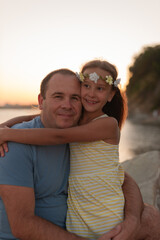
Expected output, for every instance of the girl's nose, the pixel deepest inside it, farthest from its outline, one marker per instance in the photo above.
(91, 92)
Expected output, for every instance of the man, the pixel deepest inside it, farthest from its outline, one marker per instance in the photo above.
(33, 179)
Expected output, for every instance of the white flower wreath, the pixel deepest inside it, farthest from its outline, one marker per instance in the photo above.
(94, 77)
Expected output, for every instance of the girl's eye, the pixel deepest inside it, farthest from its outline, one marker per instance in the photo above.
(100, 88)
(86, 85)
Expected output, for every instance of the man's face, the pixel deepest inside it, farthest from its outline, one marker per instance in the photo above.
(61, 107)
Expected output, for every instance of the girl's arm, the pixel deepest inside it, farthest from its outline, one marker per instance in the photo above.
(10, 123)
(15, 120)
(100, 129)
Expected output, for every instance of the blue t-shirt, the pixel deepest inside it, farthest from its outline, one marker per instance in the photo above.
(44, 168)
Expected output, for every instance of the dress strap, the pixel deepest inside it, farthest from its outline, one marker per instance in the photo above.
(102, 116)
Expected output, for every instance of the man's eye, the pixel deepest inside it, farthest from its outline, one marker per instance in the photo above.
(75, 98)
(57, 96)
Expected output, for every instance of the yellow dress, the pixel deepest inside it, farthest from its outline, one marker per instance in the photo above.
(95, 200)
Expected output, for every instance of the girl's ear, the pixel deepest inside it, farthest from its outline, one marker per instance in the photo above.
(111, 95)
(40, 101)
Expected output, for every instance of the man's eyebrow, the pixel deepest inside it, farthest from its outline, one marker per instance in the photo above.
(59, 93)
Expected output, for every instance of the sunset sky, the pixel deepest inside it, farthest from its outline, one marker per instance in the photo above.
(39, 36)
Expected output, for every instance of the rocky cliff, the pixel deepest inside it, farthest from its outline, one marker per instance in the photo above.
(145, 170)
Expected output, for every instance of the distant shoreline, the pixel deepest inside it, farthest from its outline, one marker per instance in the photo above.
(17, 106)
(145, 120)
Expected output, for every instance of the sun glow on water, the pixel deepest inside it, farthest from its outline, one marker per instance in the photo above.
(38, 37)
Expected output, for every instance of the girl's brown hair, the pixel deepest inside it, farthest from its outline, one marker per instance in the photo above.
(117, 108)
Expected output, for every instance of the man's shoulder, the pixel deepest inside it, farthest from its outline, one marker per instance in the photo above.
(34, 123)
(18, 149)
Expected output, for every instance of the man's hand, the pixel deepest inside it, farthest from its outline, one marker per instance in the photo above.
(126, 230)
(3, 145)
(150, 222)
(129, 229)
(111, 234)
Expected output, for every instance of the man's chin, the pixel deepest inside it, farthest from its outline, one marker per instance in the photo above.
(65, 125)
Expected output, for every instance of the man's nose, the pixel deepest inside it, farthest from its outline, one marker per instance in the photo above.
(67, 104)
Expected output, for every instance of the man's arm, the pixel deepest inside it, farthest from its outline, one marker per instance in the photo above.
(20, 204)
(148, 227)
(150, 222)
(133, 199)
(134, 206)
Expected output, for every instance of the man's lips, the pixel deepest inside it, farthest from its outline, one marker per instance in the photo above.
(65, 115)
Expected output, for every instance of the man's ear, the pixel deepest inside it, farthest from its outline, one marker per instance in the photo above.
(40, 101)
(111, 95)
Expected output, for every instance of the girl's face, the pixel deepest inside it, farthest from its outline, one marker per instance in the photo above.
(95, 95)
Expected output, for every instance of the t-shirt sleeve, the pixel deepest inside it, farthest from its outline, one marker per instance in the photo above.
(16, 168)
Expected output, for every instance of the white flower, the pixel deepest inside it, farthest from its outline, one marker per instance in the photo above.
(117, 82)
(109, 80)
(93, 77)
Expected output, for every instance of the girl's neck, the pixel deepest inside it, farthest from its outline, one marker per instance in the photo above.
(88, 117)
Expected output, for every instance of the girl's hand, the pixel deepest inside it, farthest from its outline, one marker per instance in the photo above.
(2, 125)
(3, 149)
(3, 145)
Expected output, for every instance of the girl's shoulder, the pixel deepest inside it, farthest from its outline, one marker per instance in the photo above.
(102, 116)
(106, 119)
(110, 128)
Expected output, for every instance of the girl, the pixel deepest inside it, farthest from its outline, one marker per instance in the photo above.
(95, 200)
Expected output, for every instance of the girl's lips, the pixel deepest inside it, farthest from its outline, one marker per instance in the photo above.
(90, 101)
